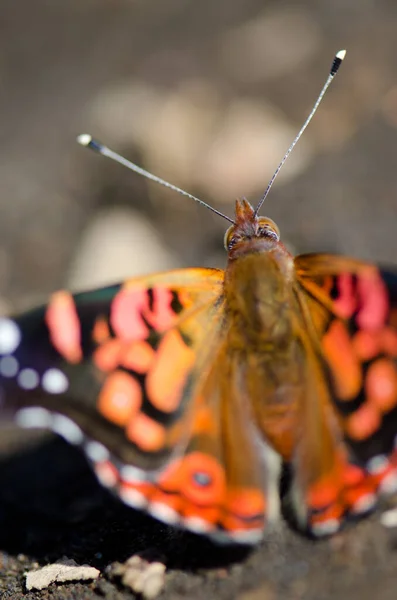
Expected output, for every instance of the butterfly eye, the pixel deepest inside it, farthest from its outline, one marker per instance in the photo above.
(227, 240)
(268, 228)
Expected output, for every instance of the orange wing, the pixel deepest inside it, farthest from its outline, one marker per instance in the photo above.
(138, 375)
(346, 454)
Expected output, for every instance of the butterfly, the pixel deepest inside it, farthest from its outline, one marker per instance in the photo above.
(179, 386)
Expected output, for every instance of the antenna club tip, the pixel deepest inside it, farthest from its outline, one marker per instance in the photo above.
(84, 139)
(336, 63)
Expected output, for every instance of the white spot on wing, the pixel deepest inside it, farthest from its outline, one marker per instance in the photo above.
(364, 504)
(252, 536)
(28, 379)
(131, 474)
(377, 464)
(388, 485)
(163, 513)
(326, 528)
(34, 416)
(54, 381)
(197, 524)
(10, 336)
(67, 429)
(106, 474)
(96, 451)
(8, 366)
(132, 497)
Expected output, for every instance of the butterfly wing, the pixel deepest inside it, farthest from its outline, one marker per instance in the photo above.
(349, 320)
(137, 374)
(217, 486)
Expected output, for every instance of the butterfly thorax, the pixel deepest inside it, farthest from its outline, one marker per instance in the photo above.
(258, 283)
(258, 299)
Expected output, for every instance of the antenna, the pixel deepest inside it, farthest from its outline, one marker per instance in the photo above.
(86, 140)
(336, 63)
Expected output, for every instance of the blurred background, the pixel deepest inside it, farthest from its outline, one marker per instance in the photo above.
(208, 95)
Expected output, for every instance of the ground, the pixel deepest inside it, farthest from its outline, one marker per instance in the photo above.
(208, 94)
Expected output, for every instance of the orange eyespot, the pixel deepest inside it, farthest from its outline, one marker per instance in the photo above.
(267, 225)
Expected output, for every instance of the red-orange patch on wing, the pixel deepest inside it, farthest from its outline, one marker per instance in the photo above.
(324, 491)
(210, 514)
(373, 294)
(357, 484)
(162, 316)
(138, 356)
(344, 364)
(120, 398)
(205, 421)
(245, 501)
(352, 496)
(146, 433)
(107, 356)
(173, 477)
(174, 501)
(198, 477)
(64, 326)
(381, 384)
(352, 475)
(366, 344)
(364, 422)
(146, 488)
(100, 332)
(201, 466)
(245, 508)
(346, 302)
(167, 378)
(126, 313)
(107, 473)
(389, 341)
(131, 307)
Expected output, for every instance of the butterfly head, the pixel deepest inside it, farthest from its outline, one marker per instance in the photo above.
(250, 232)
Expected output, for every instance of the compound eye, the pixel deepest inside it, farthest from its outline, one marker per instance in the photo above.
(228, 237)
(267, 227)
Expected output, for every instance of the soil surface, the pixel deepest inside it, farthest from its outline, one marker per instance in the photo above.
(169, 84)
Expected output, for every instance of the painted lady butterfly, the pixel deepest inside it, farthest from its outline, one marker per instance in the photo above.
(175, 385)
